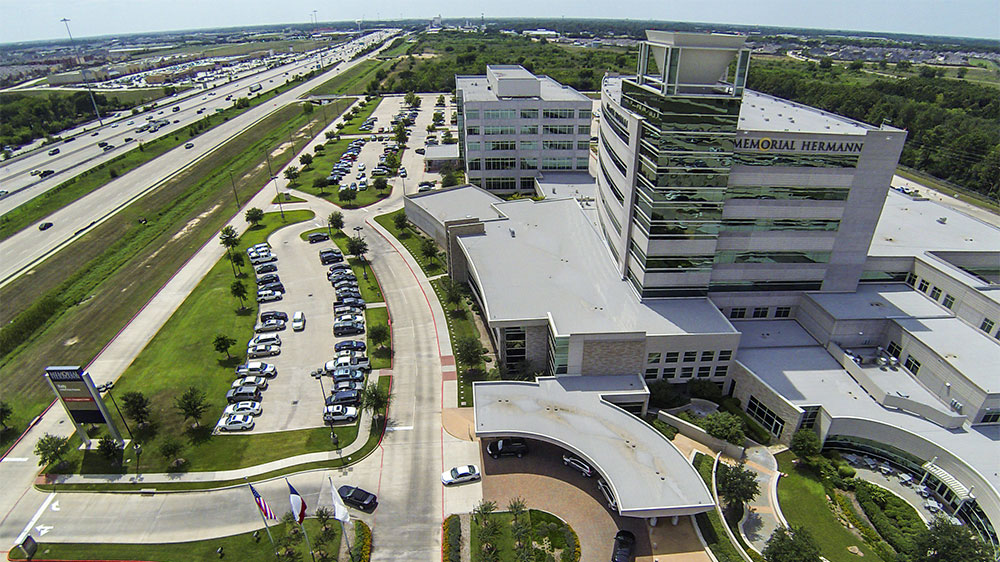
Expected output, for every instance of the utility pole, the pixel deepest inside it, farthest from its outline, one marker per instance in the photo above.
(83, 72)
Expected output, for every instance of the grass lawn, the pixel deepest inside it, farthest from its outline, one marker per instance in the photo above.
(320, 168)
(412, 239)
(243, 547)
(288, 198)
(380, 357)
(101, 280)
(460, 325)
(351, 82)
(365, 111)
(180, 356)
(804, 503)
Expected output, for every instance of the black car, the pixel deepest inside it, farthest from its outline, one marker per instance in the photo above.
(318, 237)
(45, 226)
(513, 447)
(277, 287)
(345, 397)
(345, 283)
(347, 329)
(340, 267)
(266, 268)
(273, 315)
(46, 173)
(624, 550)
(358, 498)
(347, 293)
(349, 301)
(328, 258)
(268, 278)
(351, 345)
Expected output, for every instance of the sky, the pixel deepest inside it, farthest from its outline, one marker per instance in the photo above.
(27, 20)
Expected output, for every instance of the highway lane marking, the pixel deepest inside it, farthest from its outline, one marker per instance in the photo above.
(401, 428)
(38, 514)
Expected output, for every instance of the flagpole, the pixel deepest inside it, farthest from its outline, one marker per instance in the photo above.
(266, 528)
(306, 535)
(343, 530)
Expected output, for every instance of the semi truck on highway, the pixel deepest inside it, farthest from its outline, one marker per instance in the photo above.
(255, 88)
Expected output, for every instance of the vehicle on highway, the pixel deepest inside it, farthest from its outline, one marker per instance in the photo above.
(264, 339)
(263, 351)
(53, 152)
(298, 321)
(609, 496)
(265, 268)
(45, 226)
(358, 498)
(273, 315)
(253, 380)
(189, 145)
(460, 474)
(346, 397)
(46, 173)
(36, 172)
(256, 368)
(273, 325)
(242, 394)
(577, 463)
(237, 422)
(71, 139)
(509, 447)
(350, 345)
(128, 139)
(624, 549)
(247, 407)
(108, 147)
(339, 413)
(317, 237)
(4, 193)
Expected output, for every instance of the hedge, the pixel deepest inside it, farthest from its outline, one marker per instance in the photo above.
(894, 519)
(881, 548)
(362, 541)
(27, 322)
(452, 550)
(754, 430)
(710, 523)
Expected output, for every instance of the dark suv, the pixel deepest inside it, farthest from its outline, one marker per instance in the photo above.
(624, 550)
(515, 447)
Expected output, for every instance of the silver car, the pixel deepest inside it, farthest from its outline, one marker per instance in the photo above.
(237, 422)
(259, 382)
(263, 351)
(247, 408)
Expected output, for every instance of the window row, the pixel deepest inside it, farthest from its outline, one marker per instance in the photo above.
(529, 113)
(738, 312)
(703, 372)
(687, 356)
(924, 286)
(765, 417)
(477, 146)
(492, 130)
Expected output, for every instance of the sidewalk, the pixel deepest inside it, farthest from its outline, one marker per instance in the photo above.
(763, 515)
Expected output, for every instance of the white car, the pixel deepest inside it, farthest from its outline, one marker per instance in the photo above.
(299, 321)
(359, 318)
(263, 351)
(268, 296)
(361, 165)
(247, 408)
(577, 464)
(237, 422)
(339, 413)
(460, 474)
(256, 368)
(265, 339)
(259, 382)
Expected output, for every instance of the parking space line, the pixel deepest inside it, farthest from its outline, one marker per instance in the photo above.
(35, 518)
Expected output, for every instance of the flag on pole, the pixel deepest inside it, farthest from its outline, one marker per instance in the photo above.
(298, 504)
(261, 504)
(340, 512)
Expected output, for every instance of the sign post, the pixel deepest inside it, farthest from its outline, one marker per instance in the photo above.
(82, 401)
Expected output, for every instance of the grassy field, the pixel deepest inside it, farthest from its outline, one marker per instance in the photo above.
(130, 97)
(380, 357)
(104, 278)
(283, 46)
(353, 82)
(804, 503)
(461, 325)
(243, 547)
(181, 356)
(366, 109)
(412, 240)
(320, 168)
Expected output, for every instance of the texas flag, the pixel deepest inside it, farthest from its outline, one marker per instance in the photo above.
(298, 504)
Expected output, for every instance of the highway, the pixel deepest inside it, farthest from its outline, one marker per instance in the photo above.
(31, 245)
(83, 151)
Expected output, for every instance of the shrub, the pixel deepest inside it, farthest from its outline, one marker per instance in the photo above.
(452, 549)
(894, 519)
(846, 471)
(881, 548)
(724, 425)
(662, 394)
(707, 390)
(362, 542)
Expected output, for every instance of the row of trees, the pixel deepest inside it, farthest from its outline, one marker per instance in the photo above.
(24, 118)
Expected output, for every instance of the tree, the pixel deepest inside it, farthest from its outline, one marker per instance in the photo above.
(170, 449)
(791, 545)
(5, 413)
(136, 406)
(927, 72)
(826, 62)
(306, 159)
(903, 65)
(320, 148)
(428, 249)
(411, 99)
(805, 443)
(239, 290)
(400, 133)
(944, 541)
(375, 399)
(736, 483)
(230, 240)
(379, 334)
(51, 449)
(347, 195)
(483, 510)
(440, 100)
(108, 447)
(192, 404)
(254, 216)
(222, 344)
(380, 184)
(452, 291)
(723, 425)
(335, 222)
(516, 507)
(449, 179)
(236, 258)
(468, 350)
(291, 173)
(356, 246)
(399, 221)
(962, 72)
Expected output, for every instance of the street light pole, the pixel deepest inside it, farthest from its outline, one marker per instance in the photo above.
(83, 72)
(236, 195)
(115, 402)
(275, 179)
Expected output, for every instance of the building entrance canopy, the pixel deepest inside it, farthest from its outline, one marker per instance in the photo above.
(648, 475)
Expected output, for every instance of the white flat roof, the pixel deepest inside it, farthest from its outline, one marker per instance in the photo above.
(871, 301)
(441, 152)
(908, 227)
(761, 112)
(547, 258)
(648, 475)
(477, 89)
(460, 202)
(969, 350)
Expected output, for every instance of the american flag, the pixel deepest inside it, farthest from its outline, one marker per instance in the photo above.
(261, 504)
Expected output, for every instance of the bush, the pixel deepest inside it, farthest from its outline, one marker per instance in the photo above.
(452, 549)
(754, 429)
(895, 520)
(362, 542)
(707, 390)
(846, 471)
(27, 322)
(805, 443)
(881, 548)
(724, 425)
(662, 394)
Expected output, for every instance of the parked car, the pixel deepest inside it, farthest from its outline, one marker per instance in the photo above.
(268, 278)
(345, 373)
(351, 301)
(270, 326)
(578, 464)
(268, 296)
(243, 394)
(317, 237)
(273, 315)
(237, 422)
(624, 549)
(609, 496)
(340, 310)
(299, 321)
(347, 329)
(345, 282)
(354, 361)
(358, 498)
(276, 287)
(263, 259)
(348, 385)
(339, 413)
(460, 474)
(259, 382)
(514, 446)
(346, 397)
(350, 345)
(266, 268)
(256, 368)
(247, 407)
(263, 351)
(264, 339)
(348, 292)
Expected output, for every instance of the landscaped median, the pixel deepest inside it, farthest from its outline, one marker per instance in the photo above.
(360, 113)
(415, 242)
(312, 178)
(520, 534)
(370, 290)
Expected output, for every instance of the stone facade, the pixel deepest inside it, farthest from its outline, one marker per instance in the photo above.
(746, 384)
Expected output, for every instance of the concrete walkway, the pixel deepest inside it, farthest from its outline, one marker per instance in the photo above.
(764, 513)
